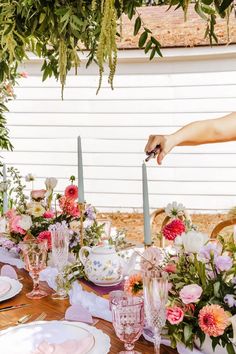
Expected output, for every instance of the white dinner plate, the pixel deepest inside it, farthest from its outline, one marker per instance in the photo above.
(5, 286)
(15, 288)
(23, 339)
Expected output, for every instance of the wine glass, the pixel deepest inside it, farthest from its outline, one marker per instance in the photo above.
(155, 291)
(60, 251)
(35, 256)
(128, 320)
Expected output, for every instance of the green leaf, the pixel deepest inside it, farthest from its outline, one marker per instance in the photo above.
(42, 17)
(188, 331)
(137, 25)
(148, 46)
(147, 30)
(216, 289)
(142, 39)
(225, 5)
(153, 52)
(230, 348)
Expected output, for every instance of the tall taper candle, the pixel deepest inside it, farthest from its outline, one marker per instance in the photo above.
(80, 172)
(5, 202)
(146, 215)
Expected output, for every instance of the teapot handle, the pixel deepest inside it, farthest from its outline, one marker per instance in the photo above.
(82, 256)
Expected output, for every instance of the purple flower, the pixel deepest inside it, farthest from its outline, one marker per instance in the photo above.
(223, 263)
(230, 300)
(90, 212)
(211, 249)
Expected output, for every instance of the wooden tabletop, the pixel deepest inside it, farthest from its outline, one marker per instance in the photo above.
(55, 310)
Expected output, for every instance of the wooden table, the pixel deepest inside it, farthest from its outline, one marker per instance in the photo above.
(55, 310)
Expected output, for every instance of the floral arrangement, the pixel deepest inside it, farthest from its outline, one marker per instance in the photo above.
(202, 282)
(32, 216)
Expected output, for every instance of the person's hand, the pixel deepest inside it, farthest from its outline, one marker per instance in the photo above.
(166, 143)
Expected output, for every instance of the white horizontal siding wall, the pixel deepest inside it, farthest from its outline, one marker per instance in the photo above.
(149, 97)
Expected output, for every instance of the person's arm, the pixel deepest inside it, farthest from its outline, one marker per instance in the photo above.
(196, 133)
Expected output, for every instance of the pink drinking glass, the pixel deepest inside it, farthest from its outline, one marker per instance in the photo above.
(128, 320)
(35, 256)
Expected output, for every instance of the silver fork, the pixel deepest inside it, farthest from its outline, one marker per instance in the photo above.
(41, 317)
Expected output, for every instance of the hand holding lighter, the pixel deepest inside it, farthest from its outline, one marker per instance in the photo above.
(152, 154)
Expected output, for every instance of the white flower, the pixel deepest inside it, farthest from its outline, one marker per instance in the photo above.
(174, 209)
(35, 209)
(233, 321)
(3, 225)
(50, 183)
(88, 223)
(25, 222)
(29, 177)
(193, 241)
(75, 226)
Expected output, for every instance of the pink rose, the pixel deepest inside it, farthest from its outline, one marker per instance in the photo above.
(174, 315)
(14, 225)
(190, 293)
(170, 268)
(48, 214)
(38, 194)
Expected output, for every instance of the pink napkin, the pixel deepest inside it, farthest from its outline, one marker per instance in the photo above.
(68, 347)
(8, 271)
(4, 287)
(78, 313)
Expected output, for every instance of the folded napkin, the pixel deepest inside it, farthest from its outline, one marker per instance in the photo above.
(10, 258)
(8, 271)
(68, 347)
(78, 313)
(4, 287)
(96, 305)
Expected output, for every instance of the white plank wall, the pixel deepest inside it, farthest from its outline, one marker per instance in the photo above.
(149, 98)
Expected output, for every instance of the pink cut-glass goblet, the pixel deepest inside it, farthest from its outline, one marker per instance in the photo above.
(35, 256)
(128, 320)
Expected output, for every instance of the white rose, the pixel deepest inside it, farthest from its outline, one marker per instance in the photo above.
(25, 222)
(75, 226)
(50, 183)
(35, 209)
(233, 321)
(193, 241)
(3, 224)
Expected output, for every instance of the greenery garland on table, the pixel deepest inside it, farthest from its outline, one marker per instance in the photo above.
(58, 30)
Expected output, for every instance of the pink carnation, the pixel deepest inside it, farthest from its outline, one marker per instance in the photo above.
(46, 235)
(174, 315)
(190, 293)
(48, 214)
(173, 229)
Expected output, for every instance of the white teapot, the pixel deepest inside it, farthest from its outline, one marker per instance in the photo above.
(102, 265)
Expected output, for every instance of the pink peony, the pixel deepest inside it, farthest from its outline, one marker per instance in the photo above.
(71, 192)
(14, 225)
(48, 214)
(173, 229)
(174, 315)
(190, 293)
(46, 235)
(38, 194)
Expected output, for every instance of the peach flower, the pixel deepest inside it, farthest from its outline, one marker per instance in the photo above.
(134, 285)
(213, 320)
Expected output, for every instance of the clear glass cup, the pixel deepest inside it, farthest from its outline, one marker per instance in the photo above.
(60, 252)
(128, 320)
(35, 257)
(155, 292)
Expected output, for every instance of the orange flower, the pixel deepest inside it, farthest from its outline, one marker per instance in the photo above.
(134, 285)
(213, 320)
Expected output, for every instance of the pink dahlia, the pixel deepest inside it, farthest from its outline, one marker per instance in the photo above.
(213, 320)
(46, 235)
(71, 192)
(173, 229)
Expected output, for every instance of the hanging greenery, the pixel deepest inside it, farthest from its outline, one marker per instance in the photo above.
(58, 30)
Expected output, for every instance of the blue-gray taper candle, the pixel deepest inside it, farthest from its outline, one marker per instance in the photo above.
(146, 215)
(80, 172)
(5, 201)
